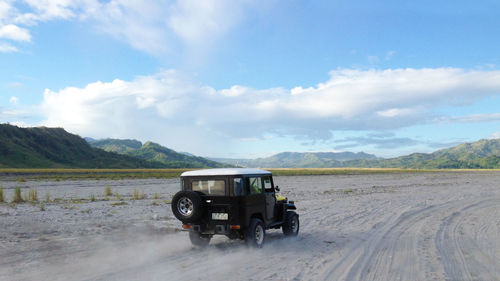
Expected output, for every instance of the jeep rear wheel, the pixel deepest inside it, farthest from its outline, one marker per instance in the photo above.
(255, 234)
(198, 239)
(187, 206)
(291, 224)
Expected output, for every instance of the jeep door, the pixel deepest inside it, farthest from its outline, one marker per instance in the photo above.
(255, 199)
(270, 197)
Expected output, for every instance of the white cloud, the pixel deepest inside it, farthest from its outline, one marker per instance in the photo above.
(472, 118)
(140, 24)
(395, 112)
(20, 124)
(15, 85)
(14, 100)
(7, 48)
(494, 136)
(389, 55)
(202, 21)
(5, 9)
(151, 26)
(51, 9)
(156, 26)
(170, 108)
(17, 16)
(14, 33)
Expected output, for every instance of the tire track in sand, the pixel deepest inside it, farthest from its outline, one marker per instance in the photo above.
(458, 242)
(401, 248)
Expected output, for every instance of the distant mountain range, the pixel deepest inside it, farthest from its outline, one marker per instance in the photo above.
(299, 160)
(155, 153)
(43, 147)
(482, 154)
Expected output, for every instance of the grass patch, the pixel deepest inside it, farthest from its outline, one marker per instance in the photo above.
(342, 171)
(94, 174)
(119, 174)
(155, 203)
(156, 196)
(42, 207)
(32, 195)
(92, 198)
(138, 195)
(77, 200)
(347, 191)
(67, 207)
(2, 199)
(119, 203)
(107, 191)
(17, 196)
(118, 197)
(47, 197)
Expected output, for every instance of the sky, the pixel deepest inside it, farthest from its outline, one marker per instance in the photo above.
(251, 78)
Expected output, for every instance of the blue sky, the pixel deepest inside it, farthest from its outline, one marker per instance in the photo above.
(251, 78)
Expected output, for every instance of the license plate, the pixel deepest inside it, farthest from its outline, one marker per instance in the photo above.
(219, 216)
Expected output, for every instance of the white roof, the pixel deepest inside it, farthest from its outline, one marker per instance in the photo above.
(225, 172)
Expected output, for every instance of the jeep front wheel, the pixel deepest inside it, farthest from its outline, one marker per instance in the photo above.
(291, 224)
(198, 239)
(256, 233)
(187, 206)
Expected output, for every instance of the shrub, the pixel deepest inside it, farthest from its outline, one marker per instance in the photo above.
(138, 195)
(47, 197)
(119, 203)
(2, 199)
(107, 191)
(17, 196)
(32, 195)
(42, 207)
(92, 197)
(156, 196)
(118, 197)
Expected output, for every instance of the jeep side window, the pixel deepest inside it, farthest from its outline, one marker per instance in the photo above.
(238, 187)
(255, 185)
(267, 184)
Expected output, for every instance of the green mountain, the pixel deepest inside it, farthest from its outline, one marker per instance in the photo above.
(482, 154)
(153, 152)
(299, 159)
(115, 145)
(43, 147)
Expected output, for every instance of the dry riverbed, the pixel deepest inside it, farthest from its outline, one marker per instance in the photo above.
(397, 226)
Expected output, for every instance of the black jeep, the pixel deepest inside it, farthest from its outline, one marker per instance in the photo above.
(238, 203)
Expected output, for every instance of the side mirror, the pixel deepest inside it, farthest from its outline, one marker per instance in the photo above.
(277, 188)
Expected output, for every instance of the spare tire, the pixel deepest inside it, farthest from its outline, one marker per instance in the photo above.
(187, 206)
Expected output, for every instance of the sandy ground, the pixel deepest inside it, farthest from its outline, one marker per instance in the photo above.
(429, 226)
